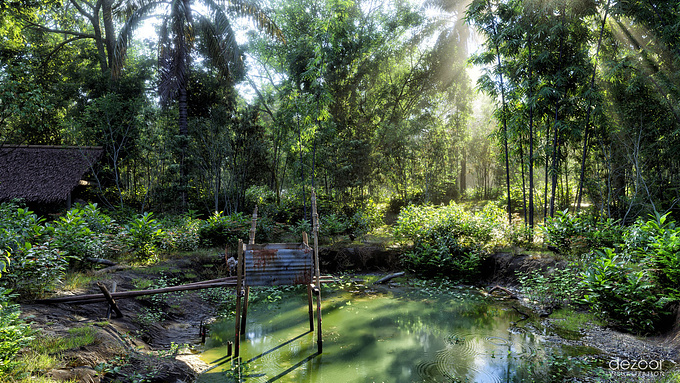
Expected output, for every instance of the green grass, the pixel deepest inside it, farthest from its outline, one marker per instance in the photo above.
(143, 284)
(76, 338)
(44, 353)
(75, 280)
(574, 321)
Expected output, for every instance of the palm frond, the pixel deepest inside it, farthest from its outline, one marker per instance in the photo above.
(251, 10)
(220, 43)
(134, 17)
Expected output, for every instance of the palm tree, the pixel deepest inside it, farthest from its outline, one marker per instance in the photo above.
(179, 29)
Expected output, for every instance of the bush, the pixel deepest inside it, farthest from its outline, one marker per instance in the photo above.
(182, 235)
(221, 230)
(332, 225)
(15, 334)
(448, 240)
(553, 288)
(18, 226)
(578, 234)
(34, 269)
(624, 294)
(72, 235)
(143, 236)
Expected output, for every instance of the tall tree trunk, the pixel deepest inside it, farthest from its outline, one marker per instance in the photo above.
(184, 133)
(524, 188)
(587, 127)
(109, 30)
(531, 139)
(463, 174)
(555, 169)
(504, 118)
(102, 54)
(547, 164)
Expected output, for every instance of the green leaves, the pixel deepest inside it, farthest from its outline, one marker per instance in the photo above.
(144, 234)
(623, 293)
(448, 240)
(4, 261)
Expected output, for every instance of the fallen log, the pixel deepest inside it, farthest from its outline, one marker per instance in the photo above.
(389, 277)
(510, 293)
(93, 298)
(101, 261)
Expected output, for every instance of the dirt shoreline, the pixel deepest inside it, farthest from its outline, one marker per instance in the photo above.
(147, 349)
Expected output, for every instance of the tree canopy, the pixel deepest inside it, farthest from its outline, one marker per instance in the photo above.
(230, 103)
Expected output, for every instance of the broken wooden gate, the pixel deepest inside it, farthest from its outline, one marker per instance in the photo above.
(278, 264)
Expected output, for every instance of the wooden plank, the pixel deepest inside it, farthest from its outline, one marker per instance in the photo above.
(245, 310)
(389, 277)
(311, 307)
(253, 226)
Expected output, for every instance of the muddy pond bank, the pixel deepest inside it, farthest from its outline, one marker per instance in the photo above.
(143, 343)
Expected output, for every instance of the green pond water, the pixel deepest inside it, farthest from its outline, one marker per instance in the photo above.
(381, 335)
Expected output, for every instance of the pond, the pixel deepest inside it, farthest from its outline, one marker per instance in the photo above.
(416, 333)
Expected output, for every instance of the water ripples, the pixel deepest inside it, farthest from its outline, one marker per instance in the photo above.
(460, 359)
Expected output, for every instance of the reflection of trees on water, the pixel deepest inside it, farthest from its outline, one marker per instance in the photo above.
(405, 337)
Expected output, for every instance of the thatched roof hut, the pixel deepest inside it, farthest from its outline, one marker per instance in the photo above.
(44, 174)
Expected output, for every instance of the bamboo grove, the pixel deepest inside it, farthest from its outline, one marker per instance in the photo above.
(587, 101)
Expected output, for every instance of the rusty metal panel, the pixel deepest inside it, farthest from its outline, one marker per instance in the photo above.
(277, 264)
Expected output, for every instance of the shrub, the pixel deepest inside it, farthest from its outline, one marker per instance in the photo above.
(332, 225)
(302, 226)
(143, 236)
(360, 224)
(18, 226)
(623, 294)
(15, 334)
(34, 269)
(220, 230)
(182, 235)
(553, 288)
(448, 240)
(578, 234)
(72, 235)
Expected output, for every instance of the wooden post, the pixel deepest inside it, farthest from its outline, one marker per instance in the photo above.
(110, 299)
(245, 310)
(239, 280)
(315, 225)
(253, 225)
(311, 307)
(114, 285)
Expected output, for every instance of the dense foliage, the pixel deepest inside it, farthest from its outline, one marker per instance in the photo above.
(449, 240)
(627, 275)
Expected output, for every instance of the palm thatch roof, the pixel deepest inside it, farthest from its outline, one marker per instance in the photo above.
(41, 173)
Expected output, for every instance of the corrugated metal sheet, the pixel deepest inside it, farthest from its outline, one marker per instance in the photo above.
(276, 264)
